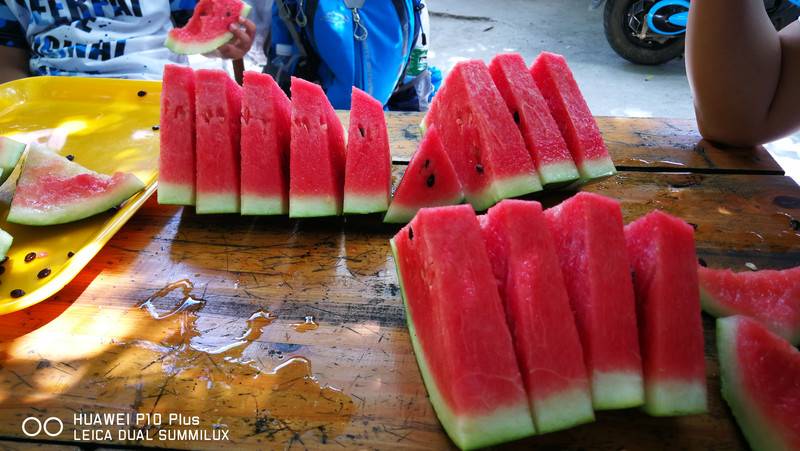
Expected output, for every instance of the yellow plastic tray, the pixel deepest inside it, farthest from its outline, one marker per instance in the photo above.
(108, 126)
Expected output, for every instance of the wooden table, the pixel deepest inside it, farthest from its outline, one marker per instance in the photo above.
(91, 349)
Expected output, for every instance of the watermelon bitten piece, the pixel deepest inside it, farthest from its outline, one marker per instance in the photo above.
(219, 111)
(532, 115)
(54, 190)
(429, 181)
(176, 164)
(760, 375)
(480, 137)
(208, 28)
(590, 242)
(769, 296)
(663, 259)
(266, 128)
(368, 168)
(538, 313)
(567, 105)
(10, 153)
(455, 324)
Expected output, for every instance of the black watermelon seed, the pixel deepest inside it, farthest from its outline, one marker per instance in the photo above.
(156, 128)
(43, 273)
(362, 131)
(479, 168)
(702, 262)
(410, 233)
(17, 293)
(431, 180)
(694, 226)
(141, 93)
(70, 157)
(31, 256)
(427, 163)
(795, 224)
(2, 269)
(516, 117)
(70, 254)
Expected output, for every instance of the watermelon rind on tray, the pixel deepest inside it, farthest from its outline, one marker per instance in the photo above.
(10, 153)
(5, 243)
(208, 28)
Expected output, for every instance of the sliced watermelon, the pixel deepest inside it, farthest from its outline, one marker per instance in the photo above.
(209, 27)
(761, 382)
(590, 243)
(316, 175)
(429, 181)
(481, 138)
(176, 165)
(10, 153)
(54, 190)
(537, 308)
(219, 106)
(663, 259)
(532, 115)
(771, 297)
(368, 171)
(569, 108)
(5, 243)
(266, 128)
(458, 328)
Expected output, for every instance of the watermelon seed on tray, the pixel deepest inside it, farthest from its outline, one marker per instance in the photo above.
(30, 256)
(141, 93)
(43, 273)
(70, 157)
(17, 293)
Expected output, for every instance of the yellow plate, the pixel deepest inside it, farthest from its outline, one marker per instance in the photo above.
(108, 126)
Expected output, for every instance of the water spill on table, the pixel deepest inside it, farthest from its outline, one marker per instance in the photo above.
(307, 325)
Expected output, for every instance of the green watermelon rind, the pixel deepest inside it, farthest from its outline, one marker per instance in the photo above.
(208, 203)
(401, 214)
(313, 206)
(466, 432)
(261, 205)
(667, 398)
(10, 153)
(505, 188)
(757, 429)
(200, 47)
(5, 243)
(560, 173)
(617, 390)
(362, 204)
(597, 168)
(563, 410)
(175, 194)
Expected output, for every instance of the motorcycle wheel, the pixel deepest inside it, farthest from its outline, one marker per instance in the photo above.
(627, 44)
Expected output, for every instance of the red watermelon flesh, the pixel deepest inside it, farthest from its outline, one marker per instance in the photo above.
(769, 296)
(209, 27)
(458, 328)
(176, 168)
(480, 136)
(590, 242)
(266, 127)
(760, 375)
(219, 110)
(569, 108)
(663, 259)
(429, 181)
(316, 175)
(368, 168)
(542, 325)
(532, 115)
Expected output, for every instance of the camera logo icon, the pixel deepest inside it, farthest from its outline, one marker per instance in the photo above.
(52, 426)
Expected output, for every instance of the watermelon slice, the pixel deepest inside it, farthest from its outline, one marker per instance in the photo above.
(532, 115)
(771, 297)
(761, 382)
(429, 181)
(10, 153)
(5, 243)
(663, 259)
(569, 108)
(458, 328)
(266, 126)
(368, 171)
(218, 101)
(590, 243)
(481, 138)
(176, 166)
(316, 181)
(538, 312)
(54, 190)
(209, 27)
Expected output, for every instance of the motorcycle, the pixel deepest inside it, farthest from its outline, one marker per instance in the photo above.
(652, 31)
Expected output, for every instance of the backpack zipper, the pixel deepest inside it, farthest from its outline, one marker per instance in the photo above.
(362, 69)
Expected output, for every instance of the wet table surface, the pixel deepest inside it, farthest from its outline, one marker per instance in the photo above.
(229, 332)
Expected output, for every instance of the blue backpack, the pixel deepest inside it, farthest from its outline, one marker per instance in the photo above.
(379, 46)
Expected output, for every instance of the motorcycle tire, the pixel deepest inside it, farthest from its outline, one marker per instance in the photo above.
(627, 45)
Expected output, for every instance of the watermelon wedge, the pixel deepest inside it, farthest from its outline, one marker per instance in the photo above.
(368, 170)
(761, 382)
(10, 153)
(480, 137)
(663, 259)
(5, 243)
(590, 242)
(176, 165)
(479, 402)
(429, 181)
(532, 115)
(538, 313)
(218, 101)
(769, 296)
(209, 27)
(316, 175)
(569, 108)
(266, 128)
(54, 190)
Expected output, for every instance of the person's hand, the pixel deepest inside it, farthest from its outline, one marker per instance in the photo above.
(243, 34)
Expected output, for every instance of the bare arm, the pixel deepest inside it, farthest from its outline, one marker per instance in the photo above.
(745, 76)
(13, 64)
